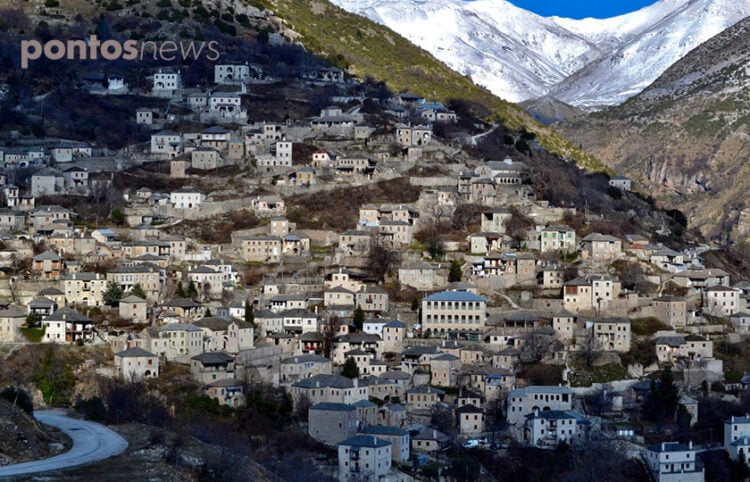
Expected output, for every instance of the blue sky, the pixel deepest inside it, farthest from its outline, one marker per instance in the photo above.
(582, 8)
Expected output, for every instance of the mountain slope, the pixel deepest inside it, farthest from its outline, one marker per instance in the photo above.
(519, 55)
(686, 138)
(368, 49)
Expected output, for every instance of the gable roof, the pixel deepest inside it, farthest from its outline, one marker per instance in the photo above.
(135, 352)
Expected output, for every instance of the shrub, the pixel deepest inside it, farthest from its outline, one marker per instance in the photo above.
(19, 398)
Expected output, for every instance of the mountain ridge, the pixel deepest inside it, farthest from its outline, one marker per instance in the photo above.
(519, 55)
(685, 137)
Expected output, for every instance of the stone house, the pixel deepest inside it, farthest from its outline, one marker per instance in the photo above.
(423, 397)
(524, 401)
(328, 388)
(398, 438)
(430, 440)
(453, 310)
(261, 248)
(355, 242)
(227, 391)
(47, 182)
(419, 135)
(11, 220)
(737, 437)
(148, 276)
(11, 321)
(47, 265)
(672, 461)
(186, 198)
(208, 281)
(601, 247)
(372, 298)
(393, 336)
(68, 326)
(330, 423)
(338, 296)
(470, 420)
(621, 182)
(175, 341)
(364, 457)
(741, 322)
(613, 334)
(444, 370)
(231, 74)
(557, 238)
(166, 144)
(671, 310)
(300, 367)
(551, 428)
(136, 364)
(418, 275)
(134, 308)
(205, 158)
(722, 301)
(211, 366)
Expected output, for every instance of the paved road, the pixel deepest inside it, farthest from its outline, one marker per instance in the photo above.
(92, 442)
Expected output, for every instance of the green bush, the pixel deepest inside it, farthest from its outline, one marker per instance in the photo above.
(34, 335)
(51, 3)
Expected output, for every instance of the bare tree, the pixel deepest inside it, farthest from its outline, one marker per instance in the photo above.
(590, 347)
(330, 330)
(382, 260)
(537, 344)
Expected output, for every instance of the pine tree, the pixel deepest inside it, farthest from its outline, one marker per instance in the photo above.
(180, 290)
(454, 275)
(113, 295)
(350, 368)
(359, 317)
(249, 313)
(664, 396)
(208, 312)
(138, 291)
(192, 291)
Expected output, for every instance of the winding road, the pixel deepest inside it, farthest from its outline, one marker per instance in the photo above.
(92, 442)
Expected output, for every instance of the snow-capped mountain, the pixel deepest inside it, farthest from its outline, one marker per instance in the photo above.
(519, 55)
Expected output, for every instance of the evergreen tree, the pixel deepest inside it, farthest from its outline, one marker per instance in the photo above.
(249, 313)
(180, 290)
(454, 275)
(138, 291)
(113, 295)
(192, 291)
(208, 312)
(350, 368)
(33, 320)
(662, 401)
(740, 470)
(359, 317)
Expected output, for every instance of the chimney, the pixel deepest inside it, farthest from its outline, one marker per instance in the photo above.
(434, 434)
(355, 381)
(663, 446)
(690, 445)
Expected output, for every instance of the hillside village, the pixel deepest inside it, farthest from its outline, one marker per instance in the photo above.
(410, 295)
